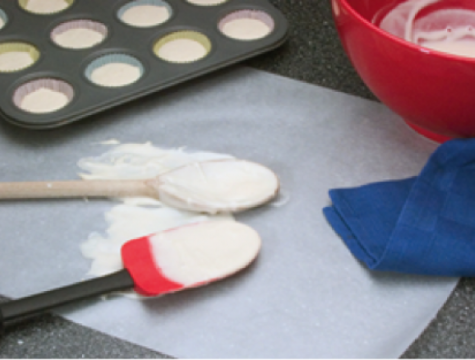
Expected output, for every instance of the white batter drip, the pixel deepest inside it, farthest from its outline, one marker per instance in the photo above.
(130, 221)
(182, 50)
(136, 217)
(246, 29)
(140, 161)
(46, 6)
(145, 15)
(44, 101)
(204, 252)
(79, 38)
(116, 75)
(15, 60)
(212, 185)
(446, 30)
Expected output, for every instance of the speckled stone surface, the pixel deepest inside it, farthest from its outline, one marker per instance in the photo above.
(53, 337)
(312, 54)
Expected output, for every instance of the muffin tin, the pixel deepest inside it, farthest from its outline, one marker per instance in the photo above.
(64, 60)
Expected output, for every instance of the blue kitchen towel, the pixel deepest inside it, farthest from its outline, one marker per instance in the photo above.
(421, 225)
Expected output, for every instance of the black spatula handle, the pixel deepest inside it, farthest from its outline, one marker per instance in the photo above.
(35, 305)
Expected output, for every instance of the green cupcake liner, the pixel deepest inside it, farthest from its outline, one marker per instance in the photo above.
(179, 35)
(18, 47)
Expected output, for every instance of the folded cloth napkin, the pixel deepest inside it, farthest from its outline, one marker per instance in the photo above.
(421, 225)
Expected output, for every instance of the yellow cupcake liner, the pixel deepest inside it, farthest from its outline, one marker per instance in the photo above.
(24, 4)
(17, 47)
(199, 38)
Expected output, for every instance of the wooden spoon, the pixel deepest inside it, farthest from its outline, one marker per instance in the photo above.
(229, 185)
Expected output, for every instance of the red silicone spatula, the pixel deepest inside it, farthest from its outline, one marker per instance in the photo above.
(169, 261)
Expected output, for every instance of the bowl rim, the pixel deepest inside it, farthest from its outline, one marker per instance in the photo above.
(427, 51)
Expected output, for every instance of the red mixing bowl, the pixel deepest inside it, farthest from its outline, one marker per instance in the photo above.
(434, 92)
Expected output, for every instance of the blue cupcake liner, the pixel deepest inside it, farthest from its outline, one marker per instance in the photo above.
(135, 3)
(4, 18)
(112, 59)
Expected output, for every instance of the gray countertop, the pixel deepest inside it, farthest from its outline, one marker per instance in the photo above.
(312, 54)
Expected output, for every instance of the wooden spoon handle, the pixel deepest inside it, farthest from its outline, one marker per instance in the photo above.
(72, 189)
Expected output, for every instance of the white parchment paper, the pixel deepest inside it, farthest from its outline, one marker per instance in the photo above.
(306, 296)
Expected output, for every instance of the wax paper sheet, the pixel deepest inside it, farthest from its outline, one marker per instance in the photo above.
(306, 296)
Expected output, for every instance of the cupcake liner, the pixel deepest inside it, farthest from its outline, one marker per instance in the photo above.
(3, 19)
(56, 94)
(244, 32)
(172, 48)
(16, 56)
(121, 78)
(206, 2)
(45, 7)
(98, 30)
(135, 22)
